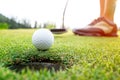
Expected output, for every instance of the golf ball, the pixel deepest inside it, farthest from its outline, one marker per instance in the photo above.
(42, 39)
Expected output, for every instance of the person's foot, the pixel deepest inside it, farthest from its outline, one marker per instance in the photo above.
(99, 27)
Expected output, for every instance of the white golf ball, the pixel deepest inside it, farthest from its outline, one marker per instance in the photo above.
(42, 39)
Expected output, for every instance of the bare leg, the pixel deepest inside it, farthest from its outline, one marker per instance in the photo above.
(102, 4)
(109, 9)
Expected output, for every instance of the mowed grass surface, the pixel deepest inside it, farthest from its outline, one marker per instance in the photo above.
(85, 58)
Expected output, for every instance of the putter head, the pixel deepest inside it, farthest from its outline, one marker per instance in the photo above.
(58, 31)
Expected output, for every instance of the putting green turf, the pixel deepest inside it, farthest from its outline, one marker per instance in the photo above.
(85, 58)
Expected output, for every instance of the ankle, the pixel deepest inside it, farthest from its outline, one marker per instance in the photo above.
(109, 18)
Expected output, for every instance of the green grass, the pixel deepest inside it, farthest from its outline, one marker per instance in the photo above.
(85, 58)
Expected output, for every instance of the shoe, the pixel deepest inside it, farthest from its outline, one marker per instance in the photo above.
(97, 28)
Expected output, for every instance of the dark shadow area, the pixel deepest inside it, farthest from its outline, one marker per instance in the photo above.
(36, 66)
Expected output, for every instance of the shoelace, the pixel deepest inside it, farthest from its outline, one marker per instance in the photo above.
(102, 19)
(96, 21)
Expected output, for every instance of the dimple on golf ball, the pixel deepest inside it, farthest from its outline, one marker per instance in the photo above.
(42, 39)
